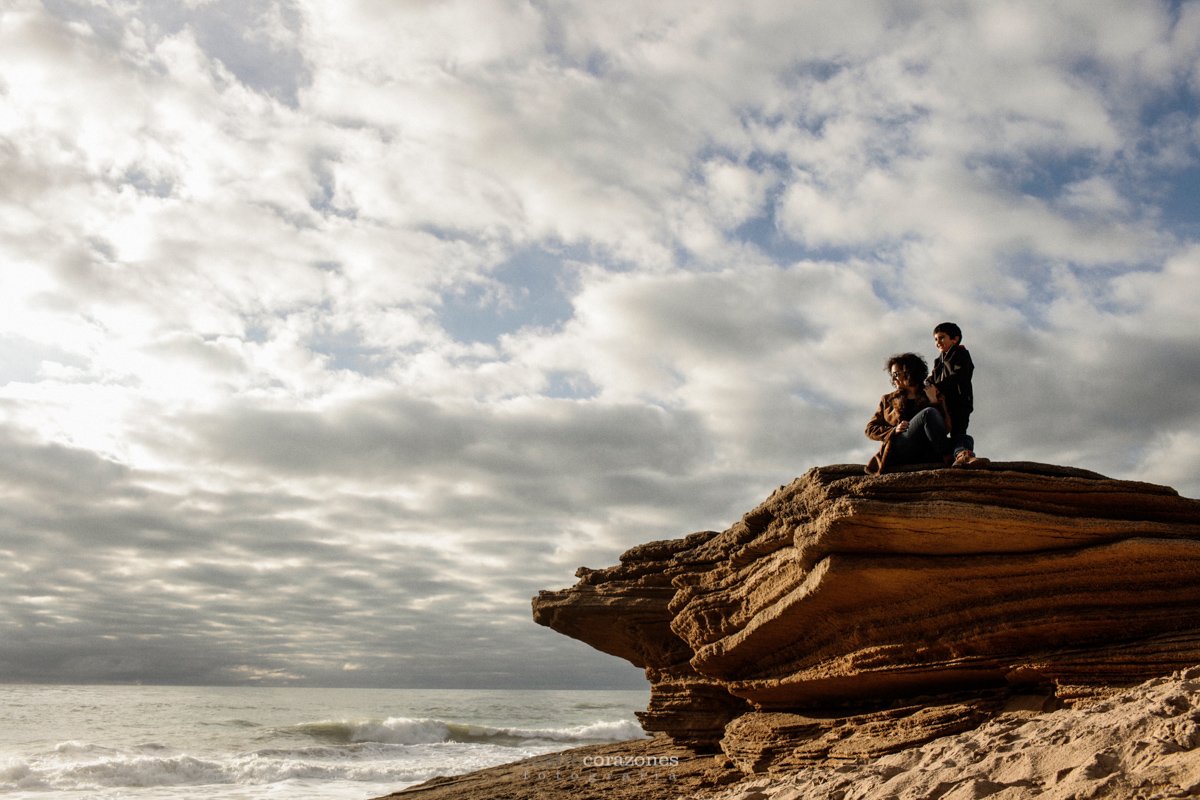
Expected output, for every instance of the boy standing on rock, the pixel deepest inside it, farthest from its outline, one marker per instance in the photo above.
(951, 381)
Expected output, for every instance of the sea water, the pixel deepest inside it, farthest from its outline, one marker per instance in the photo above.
(247, 743)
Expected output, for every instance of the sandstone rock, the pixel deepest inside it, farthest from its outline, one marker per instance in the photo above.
(778, 742)
(1142, 742)
(845, 597)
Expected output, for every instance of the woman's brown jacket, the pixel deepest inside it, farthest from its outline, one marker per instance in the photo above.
(890, 413)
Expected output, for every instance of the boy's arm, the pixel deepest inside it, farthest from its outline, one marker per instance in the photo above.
(959, 369)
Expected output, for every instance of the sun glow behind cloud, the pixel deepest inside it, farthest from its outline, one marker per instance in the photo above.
(421, 306)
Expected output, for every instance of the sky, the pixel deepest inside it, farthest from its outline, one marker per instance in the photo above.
(331, 332)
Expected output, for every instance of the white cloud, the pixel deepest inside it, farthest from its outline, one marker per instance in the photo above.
(1160, 304)
(1168, 454)
(421, 305)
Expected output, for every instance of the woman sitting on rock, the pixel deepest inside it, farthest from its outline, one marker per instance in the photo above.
(911, 426)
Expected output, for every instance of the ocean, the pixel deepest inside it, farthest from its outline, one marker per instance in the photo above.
(222, 743)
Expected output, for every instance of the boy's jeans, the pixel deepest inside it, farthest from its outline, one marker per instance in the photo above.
(962, 441)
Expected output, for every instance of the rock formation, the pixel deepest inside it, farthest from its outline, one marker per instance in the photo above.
(1135, 744)
(851, 616)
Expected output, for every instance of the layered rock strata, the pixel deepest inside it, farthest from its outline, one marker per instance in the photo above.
(853, 614)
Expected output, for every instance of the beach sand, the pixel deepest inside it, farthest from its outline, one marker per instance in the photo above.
(641, 769)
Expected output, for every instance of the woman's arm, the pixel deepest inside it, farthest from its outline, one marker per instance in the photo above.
(879, 428)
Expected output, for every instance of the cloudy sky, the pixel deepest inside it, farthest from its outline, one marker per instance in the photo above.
(330, 332)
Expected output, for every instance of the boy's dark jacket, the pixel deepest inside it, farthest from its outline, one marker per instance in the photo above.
(952, 376)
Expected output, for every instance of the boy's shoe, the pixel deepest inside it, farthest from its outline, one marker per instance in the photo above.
(966, 458)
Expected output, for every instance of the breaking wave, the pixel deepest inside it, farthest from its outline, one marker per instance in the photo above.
(396, 751)
(408, 731)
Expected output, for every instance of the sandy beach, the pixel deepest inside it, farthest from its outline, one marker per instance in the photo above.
(634, 770)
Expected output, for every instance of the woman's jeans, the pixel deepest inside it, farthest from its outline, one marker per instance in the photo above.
(924, 442)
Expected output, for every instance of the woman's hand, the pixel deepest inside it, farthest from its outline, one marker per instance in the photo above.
(902, 427)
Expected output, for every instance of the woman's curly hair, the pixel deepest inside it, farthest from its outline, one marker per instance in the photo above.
(910, 364)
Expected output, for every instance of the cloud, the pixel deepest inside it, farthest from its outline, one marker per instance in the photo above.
(330, 333)
(110, 578)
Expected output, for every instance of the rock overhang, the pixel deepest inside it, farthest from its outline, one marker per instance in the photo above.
(843, 589)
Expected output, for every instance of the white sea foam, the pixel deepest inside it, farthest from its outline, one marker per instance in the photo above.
(396, 750)
(138, 771)
(407, 731)
(611, 731)
(602, 731)
(393, 730)
(180, 770)
(74, 748)
(16, 774)
(178, 743)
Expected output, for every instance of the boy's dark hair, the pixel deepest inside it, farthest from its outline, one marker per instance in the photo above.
(910, 364)
(950, 329)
